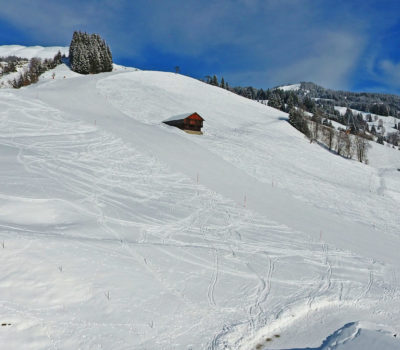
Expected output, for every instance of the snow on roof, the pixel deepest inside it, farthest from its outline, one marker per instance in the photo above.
(31, 51)
(178, 117)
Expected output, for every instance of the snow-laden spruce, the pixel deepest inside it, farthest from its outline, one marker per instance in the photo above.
(89, 53)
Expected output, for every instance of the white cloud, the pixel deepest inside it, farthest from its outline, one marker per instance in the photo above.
(390, 72)
(327, 59)
(328, 62)
(53, 21)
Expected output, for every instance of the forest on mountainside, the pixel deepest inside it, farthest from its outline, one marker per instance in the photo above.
(322, 105)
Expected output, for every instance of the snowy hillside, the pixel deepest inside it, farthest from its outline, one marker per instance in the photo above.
(120, 232)
(388, 122)
(293, 87)
(21, 60)
(26, 53)
(31, 51)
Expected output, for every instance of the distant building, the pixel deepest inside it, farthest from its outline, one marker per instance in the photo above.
(188, 122)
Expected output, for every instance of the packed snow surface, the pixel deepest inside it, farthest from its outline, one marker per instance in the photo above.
(120, 232)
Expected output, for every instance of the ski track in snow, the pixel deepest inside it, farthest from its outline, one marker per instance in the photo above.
(213, 282)
(221, 272)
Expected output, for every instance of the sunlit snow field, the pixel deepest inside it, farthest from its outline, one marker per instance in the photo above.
(120, 232)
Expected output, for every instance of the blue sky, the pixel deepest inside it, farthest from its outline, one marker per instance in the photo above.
(353, 45)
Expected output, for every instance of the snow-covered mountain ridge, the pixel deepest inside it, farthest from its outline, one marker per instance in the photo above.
(291, 87)
(29, 52)
(369, 102)
(122, 232)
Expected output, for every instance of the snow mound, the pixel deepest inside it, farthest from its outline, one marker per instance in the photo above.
(32, 51)
(356, 336)
(352, 336)
(62, 71)
(119, 68)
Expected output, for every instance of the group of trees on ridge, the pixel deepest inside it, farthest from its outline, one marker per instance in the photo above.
(10, 64)
(213, 80)
(375, 103)
(321, 130)
(36, 67)
(89, 54)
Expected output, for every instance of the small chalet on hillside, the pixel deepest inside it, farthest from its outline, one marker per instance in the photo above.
(188, 122)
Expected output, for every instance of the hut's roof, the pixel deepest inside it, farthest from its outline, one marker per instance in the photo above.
(179, 117)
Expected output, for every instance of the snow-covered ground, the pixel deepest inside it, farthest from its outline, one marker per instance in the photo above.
(32, 51)
(120, 232)
(292, 87)
(6, 79)
(27, 52)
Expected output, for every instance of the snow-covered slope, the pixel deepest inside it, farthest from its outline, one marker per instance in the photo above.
(32, 51)
(292, 87)
(26, 53)
(122, 232)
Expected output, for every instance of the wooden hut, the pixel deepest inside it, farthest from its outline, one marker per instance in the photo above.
(188, 122)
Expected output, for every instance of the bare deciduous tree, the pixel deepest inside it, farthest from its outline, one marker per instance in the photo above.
(361, 145)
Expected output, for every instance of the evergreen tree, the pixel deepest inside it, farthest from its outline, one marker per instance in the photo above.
(260, 95)
(309, 104)
(348, 117)
(222, 83)
(275, 100)
(57, 59)
(299, 121)
(290, 102)
(214, 81)
(250, 93)
(89, 53)
(72, 47)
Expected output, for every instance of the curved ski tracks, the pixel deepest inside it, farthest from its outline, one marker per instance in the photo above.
(107, 178)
